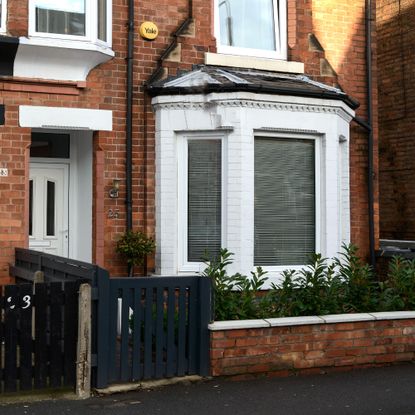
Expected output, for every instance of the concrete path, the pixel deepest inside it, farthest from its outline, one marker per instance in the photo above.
(383, 391)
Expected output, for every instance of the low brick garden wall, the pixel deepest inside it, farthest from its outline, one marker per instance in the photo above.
(285, 346)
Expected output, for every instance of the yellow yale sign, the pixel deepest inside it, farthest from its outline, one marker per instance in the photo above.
(149, 31)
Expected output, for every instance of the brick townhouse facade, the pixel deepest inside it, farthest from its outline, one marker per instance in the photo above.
(396, 37)
(235, 128)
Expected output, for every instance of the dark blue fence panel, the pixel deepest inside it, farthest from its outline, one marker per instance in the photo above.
(150, 328)
(38, 336)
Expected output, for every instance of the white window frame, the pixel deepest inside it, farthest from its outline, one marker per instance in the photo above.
(185, 266)
(3, 16)
(280, 36)
(318, 193)
(91, 25)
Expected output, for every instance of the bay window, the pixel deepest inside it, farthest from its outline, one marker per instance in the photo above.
(251, 27)
(71, 19)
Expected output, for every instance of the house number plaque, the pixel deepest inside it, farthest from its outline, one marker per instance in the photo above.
(113, 213)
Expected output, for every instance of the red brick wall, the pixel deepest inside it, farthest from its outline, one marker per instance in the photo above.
(311, 348)
(340, 60)
(339, 27)
(105, 89)
(395, 26)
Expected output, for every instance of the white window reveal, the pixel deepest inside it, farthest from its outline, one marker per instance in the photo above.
(3, 14)
(71, 19)
(252, 27)
(286, 187)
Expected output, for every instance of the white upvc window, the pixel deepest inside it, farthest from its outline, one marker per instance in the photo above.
(3, 15)
(85, 20)
(286, 201)
(251, 27)
(201, 199)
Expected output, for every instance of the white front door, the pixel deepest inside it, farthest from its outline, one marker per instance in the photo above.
(48, 208)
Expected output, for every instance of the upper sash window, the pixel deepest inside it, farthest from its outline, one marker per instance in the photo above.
(252, 27)
(71, 19)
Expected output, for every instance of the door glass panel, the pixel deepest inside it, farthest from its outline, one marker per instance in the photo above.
(50, 209)
(49, 145)
(30, 207)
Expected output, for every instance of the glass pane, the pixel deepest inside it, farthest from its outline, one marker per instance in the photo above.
(102, 20)
(30, 207)
(50, 209)
(247, 23)
(204, 199)
(65, 17)
(284, 201)
(49, 145)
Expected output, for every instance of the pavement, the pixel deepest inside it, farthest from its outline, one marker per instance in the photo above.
(388, 390)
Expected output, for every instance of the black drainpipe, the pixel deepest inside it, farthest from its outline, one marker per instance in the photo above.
(368, 126)
(129, 118)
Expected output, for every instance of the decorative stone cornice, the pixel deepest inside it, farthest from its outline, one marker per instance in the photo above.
(254, 104)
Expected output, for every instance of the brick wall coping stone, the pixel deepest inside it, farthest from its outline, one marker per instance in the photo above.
(307, 320)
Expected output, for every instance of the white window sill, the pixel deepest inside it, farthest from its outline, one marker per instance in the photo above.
(59, 59)
(251, 62)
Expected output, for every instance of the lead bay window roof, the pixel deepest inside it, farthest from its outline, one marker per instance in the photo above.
(206, 79)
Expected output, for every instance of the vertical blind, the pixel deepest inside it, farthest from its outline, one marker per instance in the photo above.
(284, 201)
(204, 199)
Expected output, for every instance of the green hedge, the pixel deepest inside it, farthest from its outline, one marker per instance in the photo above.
(344, 284)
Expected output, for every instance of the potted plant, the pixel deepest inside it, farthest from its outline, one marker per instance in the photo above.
(135, 246)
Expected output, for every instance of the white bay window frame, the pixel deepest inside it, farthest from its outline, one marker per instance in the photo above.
(239, 117)
(280, 26)
(91, 25)
(184, 265)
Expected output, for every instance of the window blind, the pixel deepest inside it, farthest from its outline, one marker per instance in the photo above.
(284, 222)
(204, 199)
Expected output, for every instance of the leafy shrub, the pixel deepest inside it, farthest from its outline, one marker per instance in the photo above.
(312, 290)
(235, 296)
(397, 292)
(135, 246)
(342, 285)
(360, 287)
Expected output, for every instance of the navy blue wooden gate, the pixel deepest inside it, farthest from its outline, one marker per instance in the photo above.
(150, 328)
